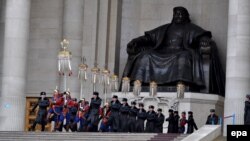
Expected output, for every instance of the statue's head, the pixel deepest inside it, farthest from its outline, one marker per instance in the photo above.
(180, 15)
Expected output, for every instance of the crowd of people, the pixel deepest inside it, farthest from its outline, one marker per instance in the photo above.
(115, 116)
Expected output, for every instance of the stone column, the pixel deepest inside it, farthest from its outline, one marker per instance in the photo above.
(2, 20)
(16, 36)
(89, 39)
(238, 60)
(72, 30)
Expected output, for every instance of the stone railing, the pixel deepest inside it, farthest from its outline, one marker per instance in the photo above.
(205, 133)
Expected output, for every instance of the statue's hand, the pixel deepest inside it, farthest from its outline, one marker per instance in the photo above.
(205, 45)
(205, 42)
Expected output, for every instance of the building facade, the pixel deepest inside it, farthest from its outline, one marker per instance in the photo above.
(99, 30)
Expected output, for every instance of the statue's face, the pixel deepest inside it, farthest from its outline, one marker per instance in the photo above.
(180, 17)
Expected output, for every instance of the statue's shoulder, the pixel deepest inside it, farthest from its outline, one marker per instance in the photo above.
(194, 26)
(158, 29)
(197, 29)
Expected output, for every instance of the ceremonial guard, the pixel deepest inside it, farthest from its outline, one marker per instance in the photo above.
(183, 122)
(132, 117)
(170, 120)
(72, 106)
(56, 109)
(82, 115)
(114, 116)
(94, 112)
(176, 121)
(106, 111)
(43, 103)
(212, 119)
(124, 111)
(151, 115)
(159, 121)
(141, 117)
(191, 123)
(64, 119)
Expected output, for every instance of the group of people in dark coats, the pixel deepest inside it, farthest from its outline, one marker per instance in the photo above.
(177, 123)
(130, 118)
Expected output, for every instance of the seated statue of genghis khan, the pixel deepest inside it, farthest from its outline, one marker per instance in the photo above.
(172, 54)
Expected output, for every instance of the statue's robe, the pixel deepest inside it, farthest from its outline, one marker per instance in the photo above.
(156, 62)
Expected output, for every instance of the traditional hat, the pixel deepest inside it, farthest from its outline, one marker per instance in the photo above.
(190, 112)
(133, 103)
(124, 99)
(141, 105)
(95, 93)
(170, 111)
(248, 96)
(212, 110)
(115, 96)
(43, 93)
(159, 110)
(176, 112)
(151, 106)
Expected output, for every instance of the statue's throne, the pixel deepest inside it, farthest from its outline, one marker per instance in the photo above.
(206, 61)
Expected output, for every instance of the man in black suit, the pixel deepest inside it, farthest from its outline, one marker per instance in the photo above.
(159, 120)
(212, 119)
(43, 103)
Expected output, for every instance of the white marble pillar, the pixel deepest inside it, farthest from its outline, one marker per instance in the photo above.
(2, 22)
(238, 60)
(16, 36)
(89, 39)
(72, 30)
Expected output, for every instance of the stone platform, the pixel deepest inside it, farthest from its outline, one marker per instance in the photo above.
(199, 103)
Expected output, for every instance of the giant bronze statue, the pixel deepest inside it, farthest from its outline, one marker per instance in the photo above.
(172, 53)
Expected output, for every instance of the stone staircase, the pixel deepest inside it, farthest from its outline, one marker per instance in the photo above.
(85, 136)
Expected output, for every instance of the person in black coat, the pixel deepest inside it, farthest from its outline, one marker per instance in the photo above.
(132, 117)
(212, 119)
(170, 120)
(124, 114)
(151, 115)
(94, 112)
(114, 120)
(191, 123)
(247, 111)
(159, 120)
(176, 121)
(141, 117)
(43, 103)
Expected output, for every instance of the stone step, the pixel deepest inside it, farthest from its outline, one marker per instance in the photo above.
(76, 136)
(164, 137)
(182, 136)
